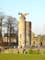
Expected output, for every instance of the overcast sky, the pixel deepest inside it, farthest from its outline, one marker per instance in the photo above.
(35, 8)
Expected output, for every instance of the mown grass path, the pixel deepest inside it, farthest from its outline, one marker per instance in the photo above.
(21, 57)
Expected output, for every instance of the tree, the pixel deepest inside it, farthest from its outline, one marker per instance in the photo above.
(12, 27)
(1, 18)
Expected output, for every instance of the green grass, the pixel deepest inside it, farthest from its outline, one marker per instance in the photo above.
(22, 57)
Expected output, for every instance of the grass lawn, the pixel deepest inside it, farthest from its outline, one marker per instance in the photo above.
(21, 57)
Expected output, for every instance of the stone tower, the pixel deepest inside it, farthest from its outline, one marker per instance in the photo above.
(28, 34)
(21, 31)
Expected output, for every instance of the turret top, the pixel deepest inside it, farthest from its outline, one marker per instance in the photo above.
(23, 15)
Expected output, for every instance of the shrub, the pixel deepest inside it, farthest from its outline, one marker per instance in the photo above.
(38, 51)
(30, 51)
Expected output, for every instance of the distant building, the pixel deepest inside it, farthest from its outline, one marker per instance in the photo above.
(36, 40)
(10, 39)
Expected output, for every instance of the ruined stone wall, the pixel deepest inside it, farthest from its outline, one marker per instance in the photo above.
(28, 34)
